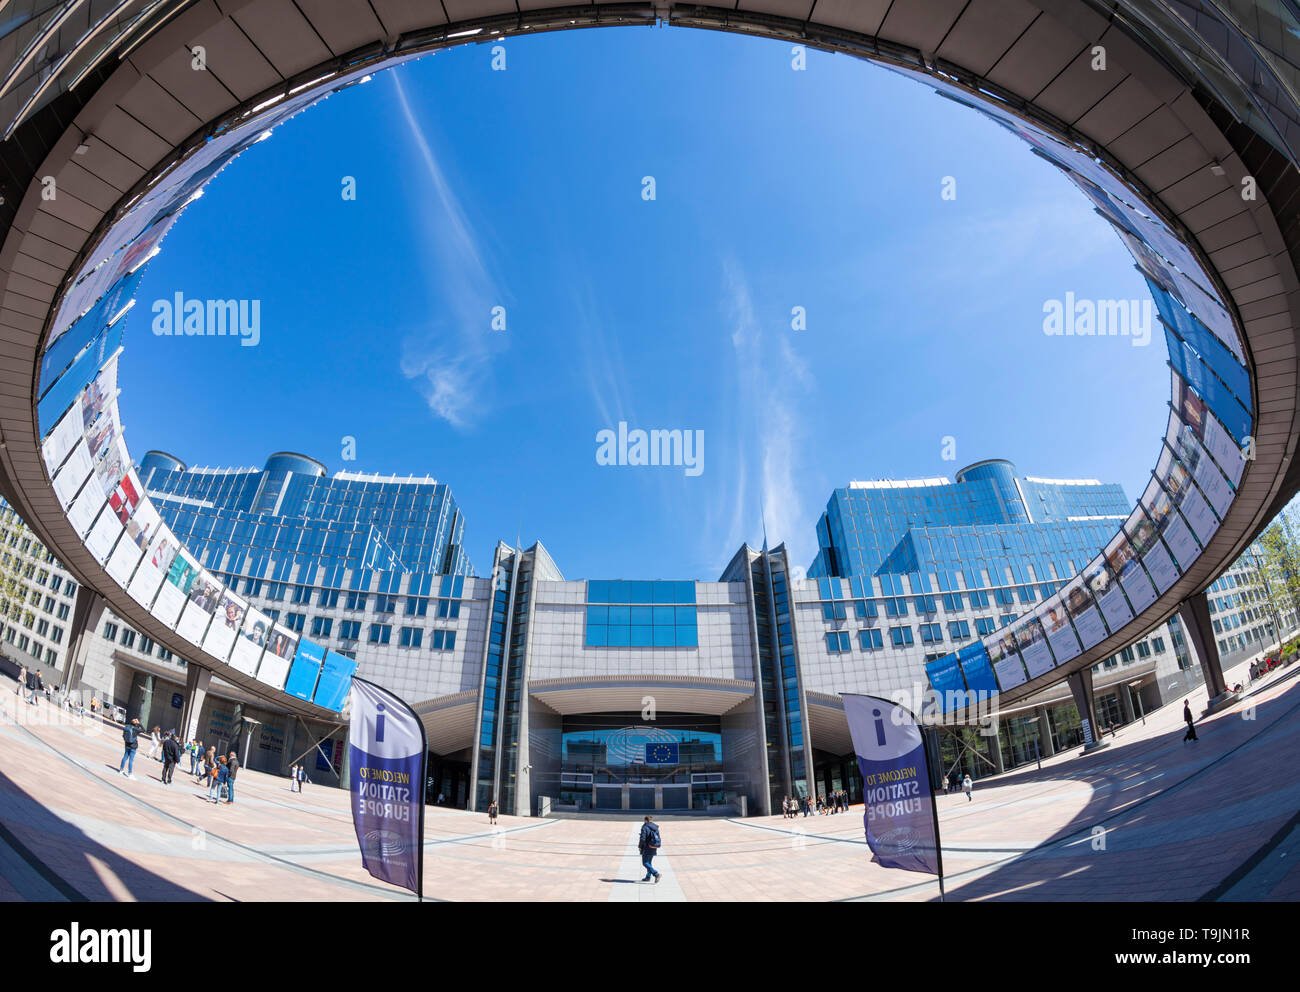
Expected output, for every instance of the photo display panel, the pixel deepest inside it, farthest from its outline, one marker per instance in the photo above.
(142, 526)
(65, 436)
(1005, 659)
(247, 653)
(280, 649)
(1174, 475)
(103, 535)
(1170, 524)
(1151, 552)
(1060, 634)
(177, 580)
(307, 661)
(200, 604)
(75, 471)
(1106, 591)
(1209, 478)
(151, 573)
(225, 626)
(85, 508)
(1031, 641)
(1079, 604)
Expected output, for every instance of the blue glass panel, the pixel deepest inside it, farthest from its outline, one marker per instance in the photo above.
(618, 637)
(687, 637)
(642, 636)
(685, 592)
(597, 636)
(643, 615)
(665, 592)
(620, 616)
(620, 592)
(641, 592)
(598, 592)
(598, 614)
(685, 615)
(663, 615)
(665, 637)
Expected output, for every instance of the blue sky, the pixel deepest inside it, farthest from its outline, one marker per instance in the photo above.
(522, 189)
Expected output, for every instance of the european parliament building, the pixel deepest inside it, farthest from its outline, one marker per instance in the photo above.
(550, 693)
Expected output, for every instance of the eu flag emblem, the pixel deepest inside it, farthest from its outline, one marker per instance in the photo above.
(661, 754)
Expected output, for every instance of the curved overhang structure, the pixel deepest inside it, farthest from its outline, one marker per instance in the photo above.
(1183, 138)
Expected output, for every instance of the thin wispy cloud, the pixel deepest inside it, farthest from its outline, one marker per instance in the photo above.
(451, 360)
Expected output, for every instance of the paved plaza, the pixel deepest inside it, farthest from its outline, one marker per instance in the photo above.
(1145, 818)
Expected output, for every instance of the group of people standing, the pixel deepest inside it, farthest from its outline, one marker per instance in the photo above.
(835, 802)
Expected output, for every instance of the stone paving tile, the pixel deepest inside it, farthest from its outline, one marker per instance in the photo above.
(1177, 819)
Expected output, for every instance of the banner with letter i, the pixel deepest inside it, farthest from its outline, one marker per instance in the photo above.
(901, 820)
(387, 756)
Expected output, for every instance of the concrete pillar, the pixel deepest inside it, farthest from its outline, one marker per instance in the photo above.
(995, 752)
(1081, 689)
(197, 681)
(1194, 613)
(1045, 733)
(1126, 702)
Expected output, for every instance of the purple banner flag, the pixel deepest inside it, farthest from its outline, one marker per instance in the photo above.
(900, 819)
(387, 750)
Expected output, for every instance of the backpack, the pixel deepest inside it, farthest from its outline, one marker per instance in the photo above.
(650, 837)
(129, 737)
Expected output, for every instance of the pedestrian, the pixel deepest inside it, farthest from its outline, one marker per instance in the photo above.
(33, 680)
(1191, 725)
(171, 754)
(807, 805)
(155, 745)
(302, 776)
(232, 768)
(131, 740)
(648, 845)
(208, 769)
(22, 681)
(293, 778)
(441, 799)
(492, 812)
(966, 786)
(220, 776)
(193, 749)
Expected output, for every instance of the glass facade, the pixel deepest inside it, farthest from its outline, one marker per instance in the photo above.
(641, 614)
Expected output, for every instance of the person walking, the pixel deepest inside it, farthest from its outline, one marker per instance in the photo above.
(22, 681)
(293, 779)
(648, 845)
(492, 812)
(302, 776)
(171, 755)
(220, 777)
(967, 786)
(131, 740)
(208, 769)
(33, 680)
(232, 768)
(155, 743)
(1191, 724)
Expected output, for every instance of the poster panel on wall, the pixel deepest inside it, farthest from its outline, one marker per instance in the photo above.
(252, 637)
(103, 535)
(1150, 550)
(1005, 659)
(75, 471)
(200, 604)
(1082, 609)
(1060, 634)
(61, 441)
(1108, 594)
(84, 509)
(134, 543)
(281, 646)
(1031, 641)
(180, 575)
(225, 626)
(124, 497)
(1170, 525)
(152, 570)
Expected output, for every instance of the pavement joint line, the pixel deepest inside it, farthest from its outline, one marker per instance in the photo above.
(1082, 831)
(60, 884)
(163, 814)
(1243, 870)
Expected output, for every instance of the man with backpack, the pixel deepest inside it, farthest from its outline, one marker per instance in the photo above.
(131, 738)
(649, 847)
(232, 764)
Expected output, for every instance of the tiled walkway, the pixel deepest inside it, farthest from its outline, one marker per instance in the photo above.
(1147, 817)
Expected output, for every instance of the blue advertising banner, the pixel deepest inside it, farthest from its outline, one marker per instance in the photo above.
(387, 750)
(335, 681)
(900, 819)
(945, 677)
(974, 660)
(306, 667)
